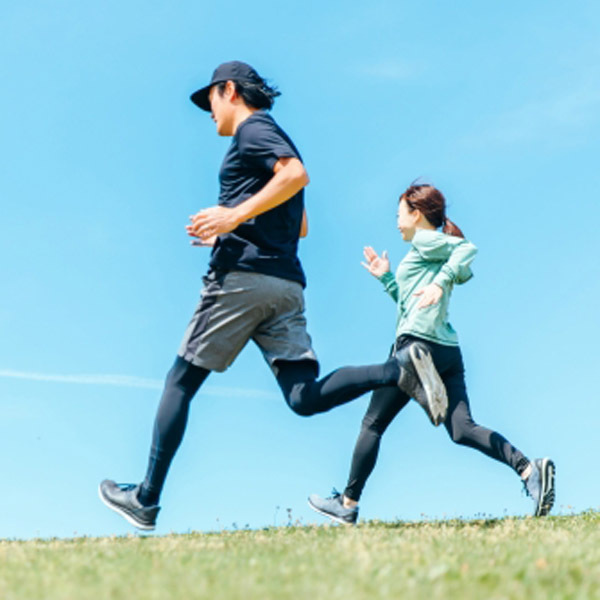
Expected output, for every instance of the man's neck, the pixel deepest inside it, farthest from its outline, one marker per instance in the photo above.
(241, 114)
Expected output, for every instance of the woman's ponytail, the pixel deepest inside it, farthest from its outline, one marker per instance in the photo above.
(451, 228)
(432, 204)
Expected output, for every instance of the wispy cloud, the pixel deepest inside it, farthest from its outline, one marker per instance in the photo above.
(117, 380)
(133, 382)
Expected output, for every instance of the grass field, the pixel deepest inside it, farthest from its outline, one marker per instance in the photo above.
(556, 557)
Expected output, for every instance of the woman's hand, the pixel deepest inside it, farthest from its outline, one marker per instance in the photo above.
(430, 294)
(376, 265)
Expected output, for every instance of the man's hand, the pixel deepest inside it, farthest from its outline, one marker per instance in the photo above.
(288, 179)
(212, 221)
(205, 243)
(376, 265)
(430, 294)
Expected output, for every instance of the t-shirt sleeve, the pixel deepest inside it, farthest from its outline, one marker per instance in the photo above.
(261, 145)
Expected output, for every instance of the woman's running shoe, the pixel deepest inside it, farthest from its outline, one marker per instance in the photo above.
(420, 380)
(333, 508)
(540, 486)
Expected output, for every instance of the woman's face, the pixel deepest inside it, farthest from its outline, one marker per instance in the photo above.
(407, 221)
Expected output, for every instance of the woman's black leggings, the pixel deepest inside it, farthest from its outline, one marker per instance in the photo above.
(387, 402)
(304, 394)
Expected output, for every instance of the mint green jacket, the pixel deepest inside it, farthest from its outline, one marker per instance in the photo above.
(434, 257)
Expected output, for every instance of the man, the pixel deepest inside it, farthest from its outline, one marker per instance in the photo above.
(254, 287)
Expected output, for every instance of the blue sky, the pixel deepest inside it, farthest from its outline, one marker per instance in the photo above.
(103, 157)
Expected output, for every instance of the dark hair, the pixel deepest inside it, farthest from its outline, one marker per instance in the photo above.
(256, 95)
(432, 204)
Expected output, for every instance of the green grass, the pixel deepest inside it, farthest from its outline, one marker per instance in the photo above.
(556, 557)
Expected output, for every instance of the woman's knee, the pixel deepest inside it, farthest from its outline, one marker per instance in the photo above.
(457, 436)
(373, 425)
(463, 434)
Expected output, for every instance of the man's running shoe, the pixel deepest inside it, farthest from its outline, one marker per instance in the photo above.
(123, 499)
(540, 486)
(334, 508)
(420, 380)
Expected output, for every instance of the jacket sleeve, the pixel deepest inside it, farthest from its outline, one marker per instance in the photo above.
(457, 269)
(457, 254)
(390, 285)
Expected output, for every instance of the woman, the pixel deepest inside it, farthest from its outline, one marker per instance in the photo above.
(421, 289)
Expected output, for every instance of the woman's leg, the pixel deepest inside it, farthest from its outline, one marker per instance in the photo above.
(385, 404)
(463, 430)
(537, 475)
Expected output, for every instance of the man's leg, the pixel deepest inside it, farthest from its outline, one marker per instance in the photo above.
(307, 396)
(183, 381)
(139, 503)
(231, 307)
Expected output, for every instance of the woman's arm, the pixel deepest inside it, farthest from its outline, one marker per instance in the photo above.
(455, 253)
(379, 266)
(457, 269)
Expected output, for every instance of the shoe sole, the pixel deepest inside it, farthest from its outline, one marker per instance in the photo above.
(434, 387)
(128, 517)
(547, 470)
(330, 516)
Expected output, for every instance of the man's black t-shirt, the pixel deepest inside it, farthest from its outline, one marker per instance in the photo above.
(267, 243)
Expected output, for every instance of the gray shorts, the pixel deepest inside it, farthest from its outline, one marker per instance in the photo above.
(238, 306)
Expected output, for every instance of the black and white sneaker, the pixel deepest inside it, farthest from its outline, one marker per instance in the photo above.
(333, 508)
(420, 380)
(123, 499)
(540, 486)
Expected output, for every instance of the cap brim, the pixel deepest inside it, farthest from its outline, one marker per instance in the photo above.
(200, 98)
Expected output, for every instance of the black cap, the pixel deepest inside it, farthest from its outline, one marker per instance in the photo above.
(234, 71)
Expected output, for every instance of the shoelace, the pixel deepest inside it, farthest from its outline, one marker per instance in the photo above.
(335, 495)
(127, 487)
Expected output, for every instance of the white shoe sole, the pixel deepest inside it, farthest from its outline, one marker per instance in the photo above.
(332, 517)
(121, 512)
(547, 471)
(434, 387)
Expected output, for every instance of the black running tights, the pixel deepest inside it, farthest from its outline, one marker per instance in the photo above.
(387, 402)
(304, 394)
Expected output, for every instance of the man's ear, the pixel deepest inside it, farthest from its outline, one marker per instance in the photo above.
(230, 92)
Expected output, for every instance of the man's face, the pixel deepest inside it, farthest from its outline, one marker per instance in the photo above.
(222, 109)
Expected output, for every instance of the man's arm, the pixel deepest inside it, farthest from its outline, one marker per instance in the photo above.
(289, 178)
(304, 225)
